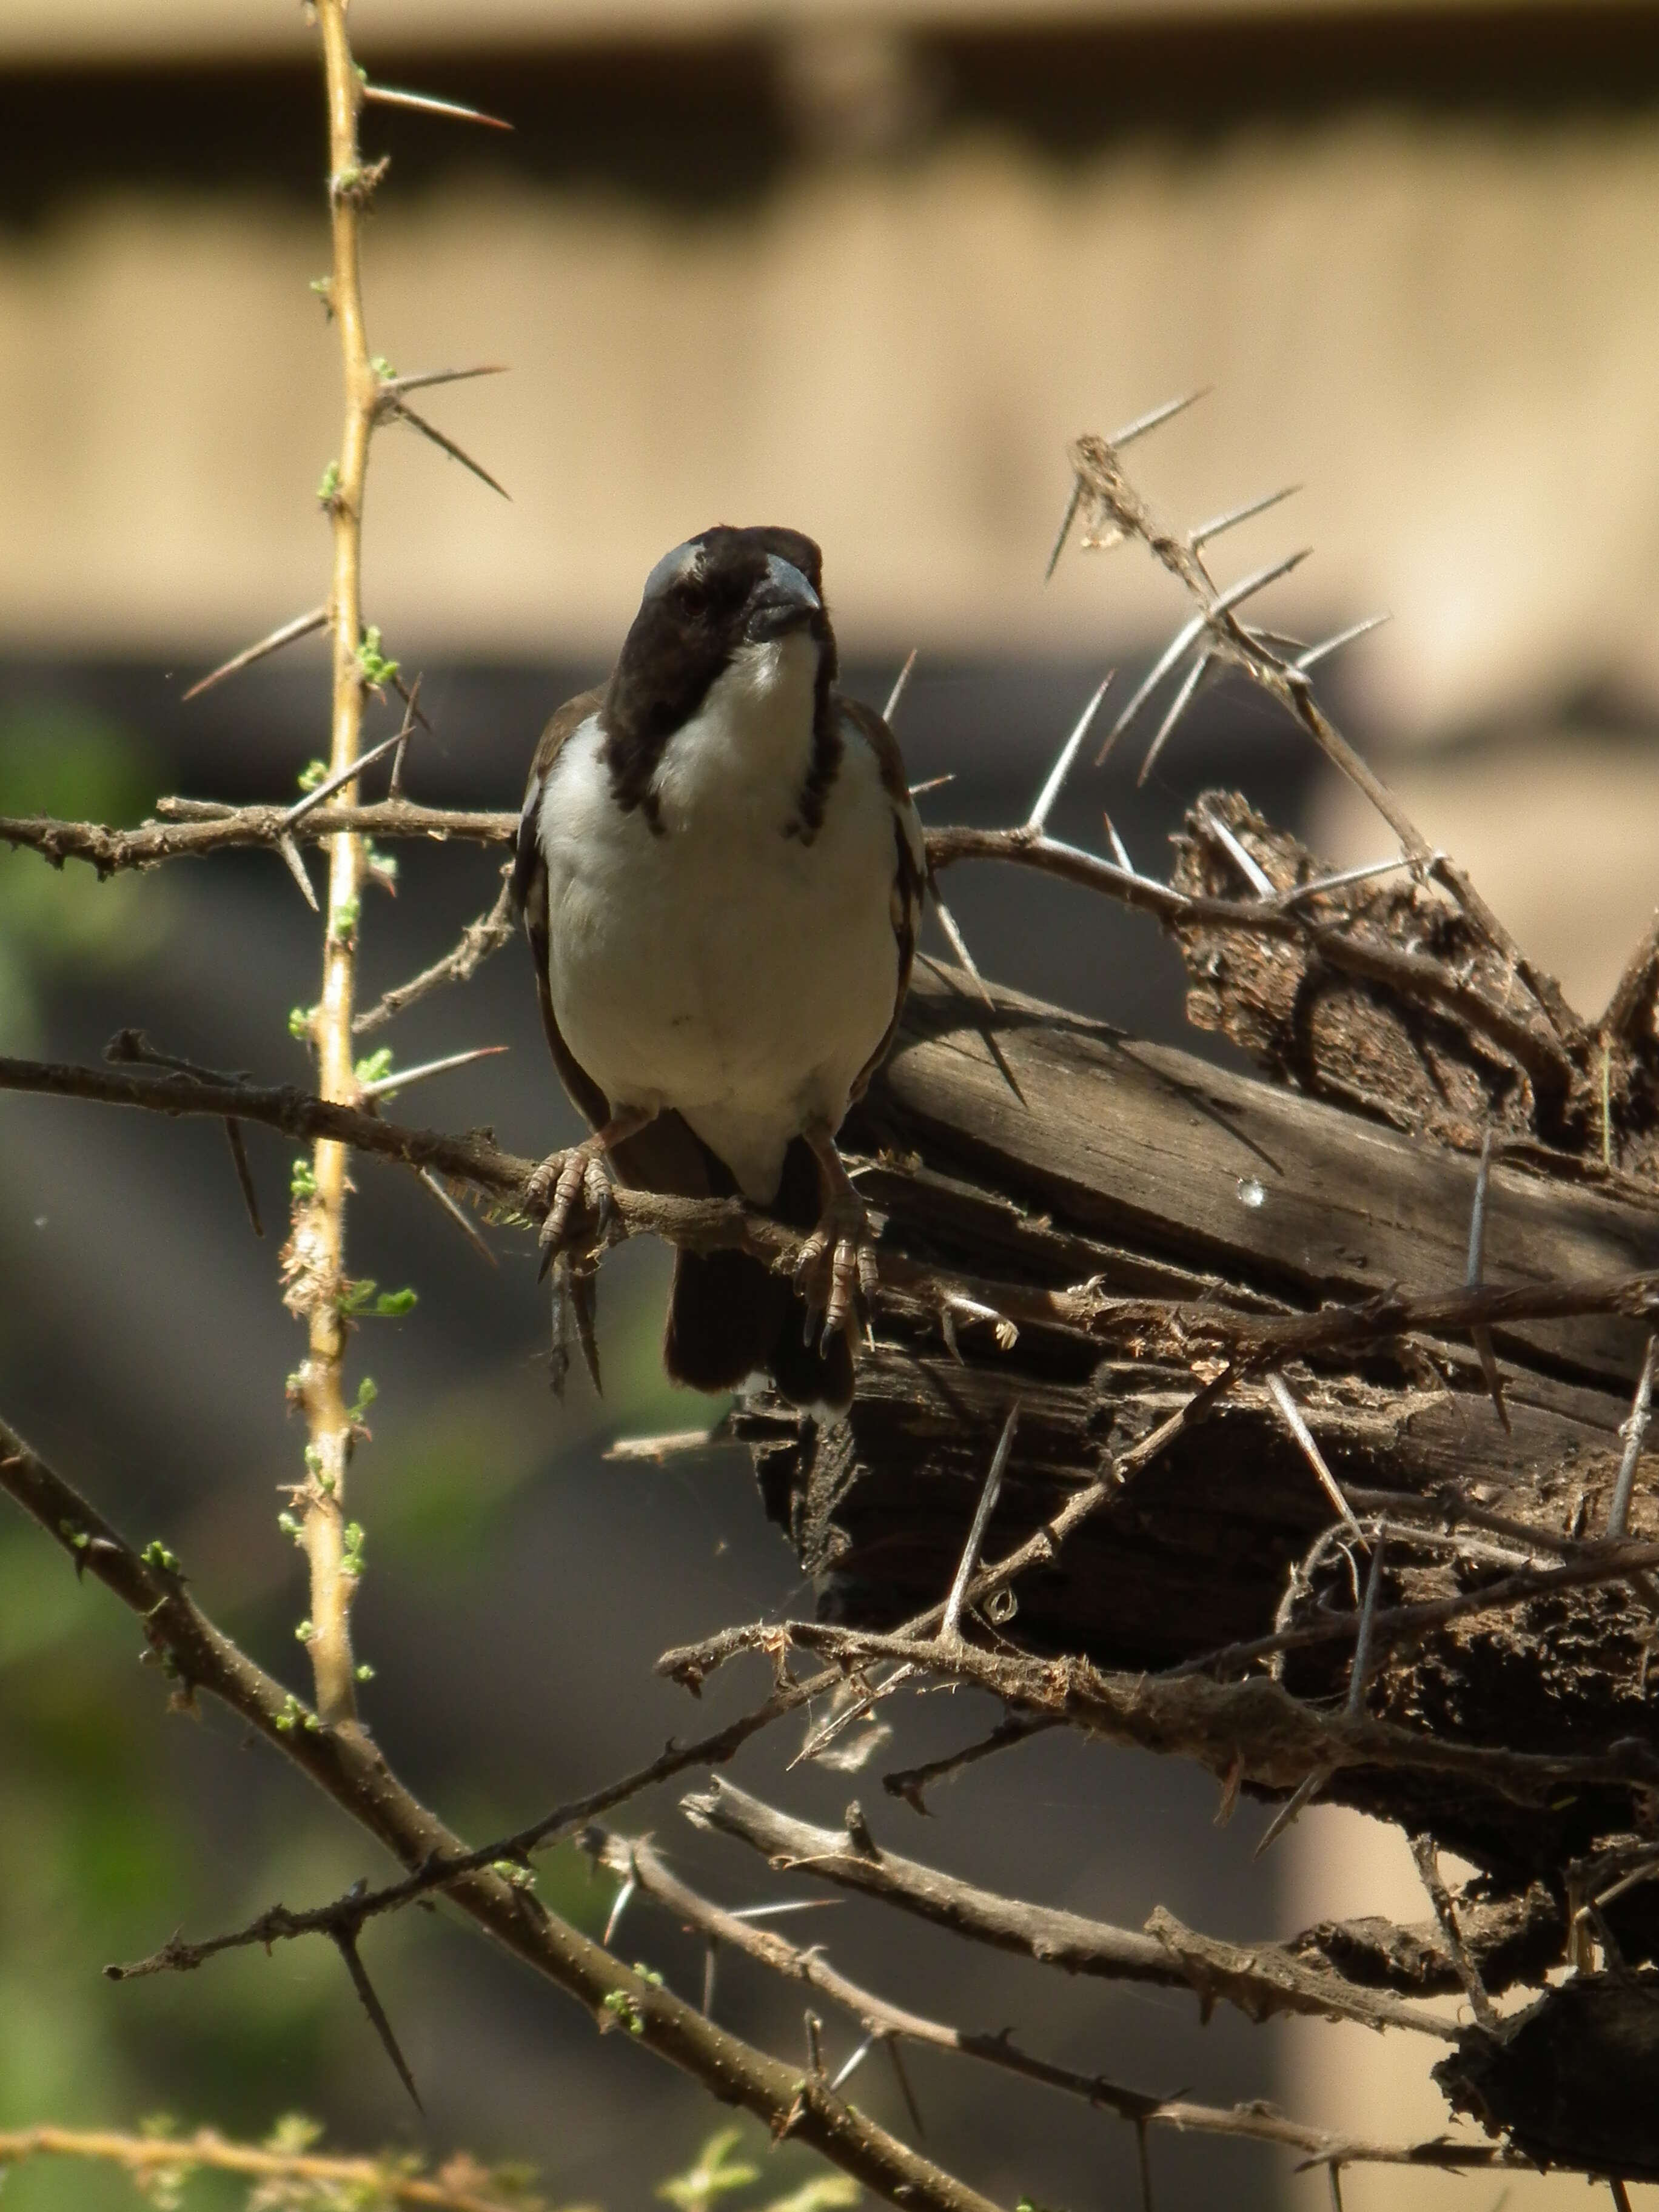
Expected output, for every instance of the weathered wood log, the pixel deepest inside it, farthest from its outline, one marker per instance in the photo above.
(1071, 1152)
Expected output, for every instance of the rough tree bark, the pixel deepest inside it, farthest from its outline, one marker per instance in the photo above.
(1087, 1154)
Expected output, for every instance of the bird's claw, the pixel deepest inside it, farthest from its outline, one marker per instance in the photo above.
(570, 1184)
(836, 1269)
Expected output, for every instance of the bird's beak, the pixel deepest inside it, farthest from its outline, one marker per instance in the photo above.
(782, 602)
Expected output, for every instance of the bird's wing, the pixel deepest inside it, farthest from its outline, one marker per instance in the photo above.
(665, 1156)
(530, 897)
(910, 862)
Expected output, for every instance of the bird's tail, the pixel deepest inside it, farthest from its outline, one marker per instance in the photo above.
(729, 1317)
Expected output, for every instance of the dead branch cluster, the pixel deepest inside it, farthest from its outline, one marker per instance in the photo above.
(1437, 1449)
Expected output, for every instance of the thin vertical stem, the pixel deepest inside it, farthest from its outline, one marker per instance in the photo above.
(320, 1225)
(1363, 1643)
(951, 1626)
(1428, 1866)
(1634, 1431)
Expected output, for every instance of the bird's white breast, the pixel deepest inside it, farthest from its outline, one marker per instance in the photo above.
(724, 965)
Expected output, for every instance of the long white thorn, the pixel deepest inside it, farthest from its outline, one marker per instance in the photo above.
(1341, 879)
(795, 1905)
(901, 685)
(1158, 418)
(659, 1448)
(853, 2063)
(400, 411)
(821, 1738)
(1279, 1390)
(388, 1086)
(425, 379)
(1149, 682)
(959, 946)
(297, 868)
(1257, 878)
(1248, 586)
(1066, 522)
(1315, 653)
(1062, 767)
(327, 788)
(1276, 640)
(951, 1627)
(1361, 1672)
(458, 1214)
(1288, 1812)
(619, 1904)
(1120, 850)
(1178, 705)
(1220, 523)
(302, 626)
(424, 102)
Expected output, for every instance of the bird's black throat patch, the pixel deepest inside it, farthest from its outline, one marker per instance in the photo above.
(682, 639)
(825, 763)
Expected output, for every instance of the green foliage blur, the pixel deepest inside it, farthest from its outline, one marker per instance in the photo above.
(63, 761)
(98, 1861)
(106, 1846)
(68, 1765)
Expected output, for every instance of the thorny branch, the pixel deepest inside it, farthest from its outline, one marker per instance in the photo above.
(635, 1860)
(1534, 1044)
(1252, 1729)
(487, 935)
(313, 1262)
(1196, 1327)
(198, 827)
(1112, 508)
(1250, 1739)
(346, 1915)
(345, 1764)
(1265, 1979)
(912, 1783)
(1610, 1562)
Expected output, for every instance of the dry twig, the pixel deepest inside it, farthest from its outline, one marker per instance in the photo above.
(1252, 1727)
(1260, 1980)
(155, 2160)
(201, 1659)
(635, 1861)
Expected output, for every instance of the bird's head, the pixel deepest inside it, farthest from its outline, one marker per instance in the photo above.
(726, 598)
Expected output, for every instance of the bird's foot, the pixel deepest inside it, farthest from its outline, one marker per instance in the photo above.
(574, 1186)
(836, 1267)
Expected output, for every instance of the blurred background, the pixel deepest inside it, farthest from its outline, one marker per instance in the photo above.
(865, 270)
